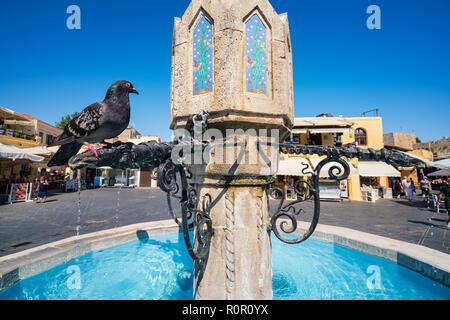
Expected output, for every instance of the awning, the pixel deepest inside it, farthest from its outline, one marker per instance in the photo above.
(297, 131)
(43, 151)
(8, 114)
(293, 166)
(440, 173)
(443, 164)
(325, 168)
(298, 166)
(11, 152)
(377, 169)
(19, 122)
(330, 130)
(321, 121)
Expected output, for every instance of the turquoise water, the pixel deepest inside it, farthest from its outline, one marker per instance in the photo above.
(160, 268)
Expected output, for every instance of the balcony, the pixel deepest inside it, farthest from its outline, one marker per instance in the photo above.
(18, 139)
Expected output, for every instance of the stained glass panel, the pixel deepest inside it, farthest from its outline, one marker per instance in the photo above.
(256, 55)
(202, 57)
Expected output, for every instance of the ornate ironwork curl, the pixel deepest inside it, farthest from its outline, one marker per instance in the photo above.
(166, 177)
(305, 190)
(202, 221)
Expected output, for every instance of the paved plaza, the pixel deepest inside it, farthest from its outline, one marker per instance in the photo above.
(27, 225)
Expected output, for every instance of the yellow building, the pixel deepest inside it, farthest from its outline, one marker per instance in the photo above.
(363, 132)
(46, 132)
(17, 130)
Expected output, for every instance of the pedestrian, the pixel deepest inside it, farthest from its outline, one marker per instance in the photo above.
(425, 186)
(405, 186)
(43, 190)
(411, 190)
(397, 188)
(444, 194)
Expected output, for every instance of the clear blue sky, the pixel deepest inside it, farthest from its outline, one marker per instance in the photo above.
(340, 66)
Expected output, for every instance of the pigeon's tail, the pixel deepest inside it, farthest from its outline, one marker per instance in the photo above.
(65, 152)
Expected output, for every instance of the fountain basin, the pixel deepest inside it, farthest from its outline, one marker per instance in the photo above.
(112, 264)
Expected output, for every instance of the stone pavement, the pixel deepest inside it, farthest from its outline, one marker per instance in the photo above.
(27, 225)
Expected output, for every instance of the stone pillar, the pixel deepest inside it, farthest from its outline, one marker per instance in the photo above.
(233, 58)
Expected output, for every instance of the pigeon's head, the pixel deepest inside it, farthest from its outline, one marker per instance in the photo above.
(121, 87)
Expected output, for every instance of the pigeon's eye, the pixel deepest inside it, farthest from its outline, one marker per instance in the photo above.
(127, 85)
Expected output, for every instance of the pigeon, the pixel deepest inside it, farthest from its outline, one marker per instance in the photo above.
(99, 121)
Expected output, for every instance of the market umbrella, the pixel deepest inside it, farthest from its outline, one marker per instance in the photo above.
(43, 151)
(443, 164)
(440, 173)
(11, 152)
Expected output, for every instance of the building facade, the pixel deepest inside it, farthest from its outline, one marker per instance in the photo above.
(362, 132)
(17, 130)
(45, 131)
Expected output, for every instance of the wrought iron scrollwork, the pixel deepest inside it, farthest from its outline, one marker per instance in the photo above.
(305, 190)
(201, 220)
(167, 175)
(173, 178)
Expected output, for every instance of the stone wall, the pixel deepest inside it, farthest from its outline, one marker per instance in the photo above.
(405, 140)
(441, 147)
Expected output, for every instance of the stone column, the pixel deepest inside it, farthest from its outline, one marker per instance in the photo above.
(239, 263)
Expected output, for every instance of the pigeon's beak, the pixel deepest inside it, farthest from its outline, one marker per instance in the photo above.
(133, 90)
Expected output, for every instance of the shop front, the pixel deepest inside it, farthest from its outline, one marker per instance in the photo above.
(108, 177)
(374, 180)
(294, 169)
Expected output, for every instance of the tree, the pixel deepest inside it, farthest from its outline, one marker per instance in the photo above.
(65, 120)
(418, 140)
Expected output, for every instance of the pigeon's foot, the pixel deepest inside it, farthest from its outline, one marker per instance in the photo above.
(92, 148)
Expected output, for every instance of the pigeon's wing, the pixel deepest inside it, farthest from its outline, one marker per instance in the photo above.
(82, 125)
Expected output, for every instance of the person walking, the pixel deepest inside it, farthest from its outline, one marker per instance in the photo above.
(43, 190)
(397, 188)
(425, 186)
(444, 194)
(405, 186)
(411, 190)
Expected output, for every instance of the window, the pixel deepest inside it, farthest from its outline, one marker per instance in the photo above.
(41, 135)
(48, 139)
(361, 137)
(202, 57)
(315, 139)
(256, 55)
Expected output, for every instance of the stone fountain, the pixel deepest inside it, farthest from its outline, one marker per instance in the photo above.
(232, 58)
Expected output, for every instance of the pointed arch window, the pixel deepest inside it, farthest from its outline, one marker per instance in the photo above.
(256, 55)
(202, 57)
